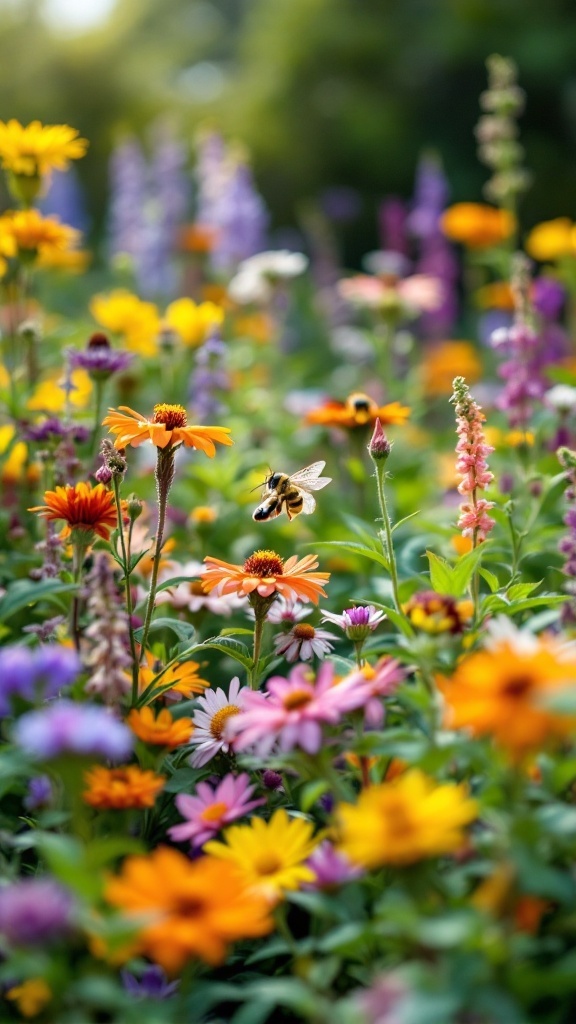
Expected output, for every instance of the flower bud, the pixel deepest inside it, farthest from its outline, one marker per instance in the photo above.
(380, 447)
(134, 507)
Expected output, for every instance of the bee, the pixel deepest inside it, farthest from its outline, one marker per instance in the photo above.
(291, 492)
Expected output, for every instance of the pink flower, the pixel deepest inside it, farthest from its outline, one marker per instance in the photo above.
(212, 807)
(357, 623)
(331, 867)
(292, 711)
(303, 641)
(381, 680)
(471, 464)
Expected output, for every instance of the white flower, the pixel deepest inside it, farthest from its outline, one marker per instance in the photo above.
(191, 595)
(210, 734)
(303, 641)
(562, 397)
(256, 276)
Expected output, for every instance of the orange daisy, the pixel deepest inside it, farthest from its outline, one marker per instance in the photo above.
(502, 692)
(168, 426)
(359, 410)
(186, 908)
(477, 225)
(162, 730)
(266, 573)
(82, 507)
(177, 681)
(26, 233)
(121, 788)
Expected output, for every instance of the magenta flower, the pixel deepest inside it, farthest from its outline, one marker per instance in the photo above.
(357, 623)
(302, 642)
(331, 867)
(381, 680)
(213, 807)
(471, 464)
(293, 711)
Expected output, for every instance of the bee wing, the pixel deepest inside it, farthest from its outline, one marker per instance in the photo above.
(309, 479)
(308, 503)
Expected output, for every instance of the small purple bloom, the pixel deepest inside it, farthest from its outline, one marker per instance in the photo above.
(35, 674)
(271, 779)
(548, 296)
(34, 911)
(98, 358)
(40, 793)
(64, 727)
(152, 984)
(331, 867)
(357, 622)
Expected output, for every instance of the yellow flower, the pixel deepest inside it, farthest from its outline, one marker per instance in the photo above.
(30, 997)
(404, 821)
(269, 855)
(73, 261)
(552, 239)
(203, 514)
(36, 149)
(193, 322)
(443, 360)
(121, 788)
(26, 234)
(501, 692)
(168, 426)
(124, 313)
(186, 909)
(477, 225)
(162, 730)
(50, 396)
(183, 679)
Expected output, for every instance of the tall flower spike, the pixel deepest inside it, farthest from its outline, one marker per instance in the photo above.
(471, 464)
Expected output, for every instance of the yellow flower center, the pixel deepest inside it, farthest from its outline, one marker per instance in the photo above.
(219, 719)
(267, 863)
(264, 564)
(297, 699)
(304, 631)
(214, 811)
(170, 415)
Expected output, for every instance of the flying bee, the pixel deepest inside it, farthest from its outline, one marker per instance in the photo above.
(291, 492)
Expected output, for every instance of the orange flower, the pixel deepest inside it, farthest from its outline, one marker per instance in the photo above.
(187, 908)
(182, 680)
(162, 731)
(121, 788)
(496, 295)
(502, 692)
(359, 410)
(477, 225)
(26, 233)
(82, 507)
(440, 362)
(266, 573)
(168, 426)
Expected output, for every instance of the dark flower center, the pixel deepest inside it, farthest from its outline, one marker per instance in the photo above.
(170, 415)
(304, 631)
(264, 564)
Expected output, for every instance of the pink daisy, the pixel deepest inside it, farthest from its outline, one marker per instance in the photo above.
(212, 723)
(213, 807)
(293, 710)
(382, 680)
(303, 641)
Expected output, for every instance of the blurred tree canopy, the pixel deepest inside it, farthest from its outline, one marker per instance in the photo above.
(323, 92)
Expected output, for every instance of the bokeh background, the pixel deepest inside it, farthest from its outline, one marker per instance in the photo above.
(335, 100)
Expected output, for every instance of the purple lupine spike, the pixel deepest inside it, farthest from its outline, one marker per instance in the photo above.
(65, 199)
(128, 190)
(392, 224)
(240, 220)
(168, 202)
(209, 378)
(437, 256)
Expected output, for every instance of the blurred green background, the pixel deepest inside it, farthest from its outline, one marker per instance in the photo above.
(324, 93)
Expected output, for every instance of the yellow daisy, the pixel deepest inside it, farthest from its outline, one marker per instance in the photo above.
(36, 149)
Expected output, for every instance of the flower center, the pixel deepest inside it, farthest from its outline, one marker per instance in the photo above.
(189, 906)
(518, 686)
(197, 590)
(264, 564)
(98, 341)
(297, 699)
(219, 719)
(267, 863)
(170, 415)
(214, 812)
(304, 631)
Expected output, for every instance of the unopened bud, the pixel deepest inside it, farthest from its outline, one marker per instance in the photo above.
(103, 475)
(379, 448)
(134, 507)
(272, 779)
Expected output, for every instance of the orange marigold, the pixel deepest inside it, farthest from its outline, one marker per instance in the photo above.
(190, 908)
(162, 730)
(121, 788)
(359, 410)
(266, 573)
(82, 507)
(502, 692)
(477, 225)
(26, 233)
(168, 426)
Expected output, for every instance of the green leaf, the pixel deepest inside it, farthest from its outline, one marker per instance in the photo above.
(23, 593)
(181, 630)
(453, 580)
(491, 579)
(521, 590)
(441, 574)
(173, 581)
(397, 618)
(405, 520)
(233, 648)
(355, 549)
(311, 793)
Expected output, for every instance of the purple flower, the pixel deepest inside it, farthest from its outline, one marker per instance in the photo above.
(331, 867)
(40, 793)
(35, 674)
(548, 296)
(34, 911)
(152, 984)
(64, 727)
(357, 622)
(98, 358)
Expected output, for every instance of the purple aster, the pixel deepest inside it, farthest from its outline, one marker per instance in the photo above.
(35, 674)
(34, 911)
(40, 793)
(303, 641)
(64, 727)
(331, 867)
(98, 358)
(357, 622)
(152, 983)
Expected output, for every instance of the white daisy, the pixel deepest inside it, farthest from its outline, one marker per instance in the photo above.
(210, 733)
(192, 596)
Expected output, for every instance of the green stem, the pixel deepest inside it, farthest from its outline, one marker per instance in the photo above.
(98, 397)
(80, 545)
(128, 591)
(258, 634)
(389, 547)
(164, 478)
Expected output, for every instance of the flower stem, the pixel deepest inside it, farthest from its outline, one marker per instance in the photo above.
(258, 633)
(164, 478)
(388, 545)
(128, 591)
(98, 396)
